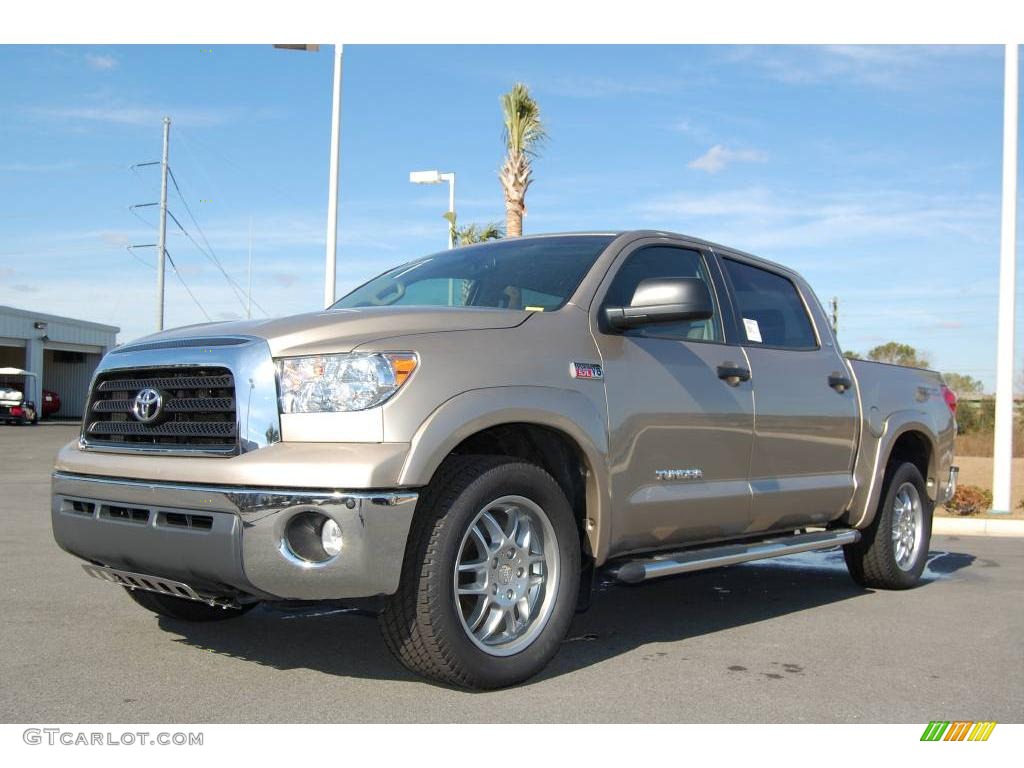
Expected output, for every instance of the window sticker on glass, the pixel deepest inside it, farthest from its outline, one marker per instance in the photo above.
(753, 330)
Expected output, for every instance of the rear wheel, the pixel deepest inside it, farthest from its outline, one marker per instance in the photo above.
(185, 610)
(490, 577)
(893, 550)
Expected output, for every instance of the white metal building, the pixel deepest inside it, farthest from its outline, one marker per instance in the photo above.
(62, 352)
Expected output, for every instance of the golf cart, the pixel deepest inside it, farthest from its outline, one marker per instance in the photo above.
(14, 408)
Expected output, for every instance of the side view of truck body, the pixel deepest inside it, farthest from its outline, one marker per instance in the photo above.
(469, 434)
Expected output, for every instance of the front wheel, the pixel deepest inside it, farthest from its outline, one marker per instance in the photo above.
(893, 550)
(490, 577)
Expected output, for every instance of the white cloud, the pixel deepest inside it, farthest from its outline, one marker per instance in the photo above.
(36, 167)
(101, 62)
(591, 87)
(760, 218)
(880, 66)
(719, 156)
(122, 114)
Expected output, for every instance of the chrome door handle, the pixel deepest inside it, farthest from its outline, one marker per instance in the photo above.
(839, 382)
(733, 374)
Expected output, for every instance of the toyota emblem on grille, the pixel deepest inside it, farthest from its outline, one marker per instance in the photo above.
(147, 405)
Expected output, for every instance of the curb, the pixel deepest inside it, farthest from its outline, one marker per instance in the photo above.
(976, 526)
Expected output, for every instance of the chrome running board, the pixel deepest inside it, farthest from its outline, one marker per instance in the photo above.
(668, 564)
(157, 584)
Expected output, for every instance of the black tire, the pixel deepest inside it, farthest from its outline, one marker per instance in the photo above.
(872, 561)
(422, 624)
(185, 610)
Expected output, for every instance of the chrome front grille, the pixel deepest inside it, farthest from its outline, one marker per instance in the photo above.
(218, 397)
(197, 410)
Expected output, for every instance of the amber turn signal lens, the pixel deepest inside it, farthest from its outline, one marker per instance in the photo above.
(403, 366)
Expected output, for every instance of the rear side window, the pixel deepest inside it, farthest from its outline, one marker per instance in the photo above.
(771, 310)
(663, 261)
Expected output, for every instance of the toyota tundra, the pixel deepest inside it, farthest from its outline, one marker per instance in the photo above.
(465, 439)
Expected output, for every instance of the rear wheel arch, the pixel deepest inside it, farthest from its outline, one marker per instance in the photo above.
(906, 438)
(914, 446)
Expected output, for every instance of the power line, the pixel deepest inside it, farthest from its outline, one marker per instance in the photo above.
(187, 289)
(131, 252)
(207, 254)
(231, 283)
(174, 267)
(240, 293)
(131, 210)
(271, 184)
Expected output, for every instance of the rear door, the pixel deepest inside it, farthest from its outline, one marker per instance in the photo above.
(680, 432)
(805, 410)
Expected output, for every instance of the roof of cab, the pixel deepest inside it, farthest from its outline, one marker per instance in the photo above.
(633, 234)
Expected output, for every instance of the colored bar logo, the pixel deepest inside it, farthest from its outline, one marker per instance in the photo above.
(959, 730)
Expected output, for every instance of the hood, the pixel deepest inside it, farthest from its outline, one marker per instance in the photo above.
(342, 330)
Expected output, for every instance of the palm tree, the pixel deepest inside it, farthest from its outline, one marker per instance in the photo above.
(473, 233)
(477, 233)
(524, 133)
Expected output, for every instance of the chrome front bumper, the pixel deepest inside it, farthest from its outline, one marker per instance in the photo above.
(229, 540)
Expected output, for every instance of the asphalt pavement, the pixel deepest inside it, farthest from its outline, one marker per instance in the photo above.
(791, 640)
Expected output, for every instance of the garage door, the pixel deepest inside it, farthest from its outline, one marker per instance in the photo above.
(68, 373)
(12, 353)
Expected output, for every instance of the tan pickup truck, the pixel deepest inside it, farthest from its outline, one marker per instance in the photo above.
(467, 437)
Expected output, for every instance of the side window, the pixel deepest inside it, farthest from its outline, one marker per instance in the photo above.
(664, 261)
(771, 310)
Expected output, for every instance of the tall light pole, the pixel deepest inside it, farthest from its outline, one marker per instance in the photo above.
(1003, 449)
(436, 177)
(331, 255)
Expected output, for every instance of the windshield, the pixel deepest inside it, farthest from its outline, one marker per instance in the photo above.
(535, 274)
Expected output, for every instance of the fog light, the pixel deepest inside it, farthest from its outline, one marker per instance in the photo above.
(312, 536)
(330, 537)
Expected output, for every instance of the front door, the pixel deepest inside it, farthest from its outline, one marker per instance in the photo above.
(680, 430)
(805, 423)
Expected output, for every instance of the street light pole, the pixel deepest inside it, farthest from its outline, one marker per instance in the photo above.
(1003, 449)
(331, 257)
(450, 178)
(436, 177)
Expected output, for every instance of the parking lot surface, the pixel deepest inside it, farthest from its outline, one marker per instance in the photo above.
(792, 640)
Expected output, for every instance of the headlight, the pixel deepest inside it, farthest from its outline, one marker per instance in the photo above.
(349, 382)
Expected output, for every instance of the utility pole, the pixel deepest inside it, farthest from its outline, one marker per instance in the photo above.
(161, 245)
(1003, 450)
(835, 314)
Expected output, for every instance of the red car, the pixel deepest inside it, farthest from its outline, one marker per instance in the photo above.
(51, 402)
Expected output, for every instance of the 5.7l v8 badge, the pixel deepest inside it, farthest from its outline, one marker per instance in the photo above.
(586, 370)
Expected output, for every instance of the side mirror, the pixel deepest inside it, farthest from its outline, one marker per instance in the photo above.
(663, 300)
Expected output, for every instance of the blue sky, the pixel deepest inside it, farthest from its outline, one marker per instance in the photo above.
(875, 171)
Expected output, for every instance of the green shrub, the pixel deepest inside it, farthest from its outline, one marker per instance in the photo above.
(970, 500)
(976, 417)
